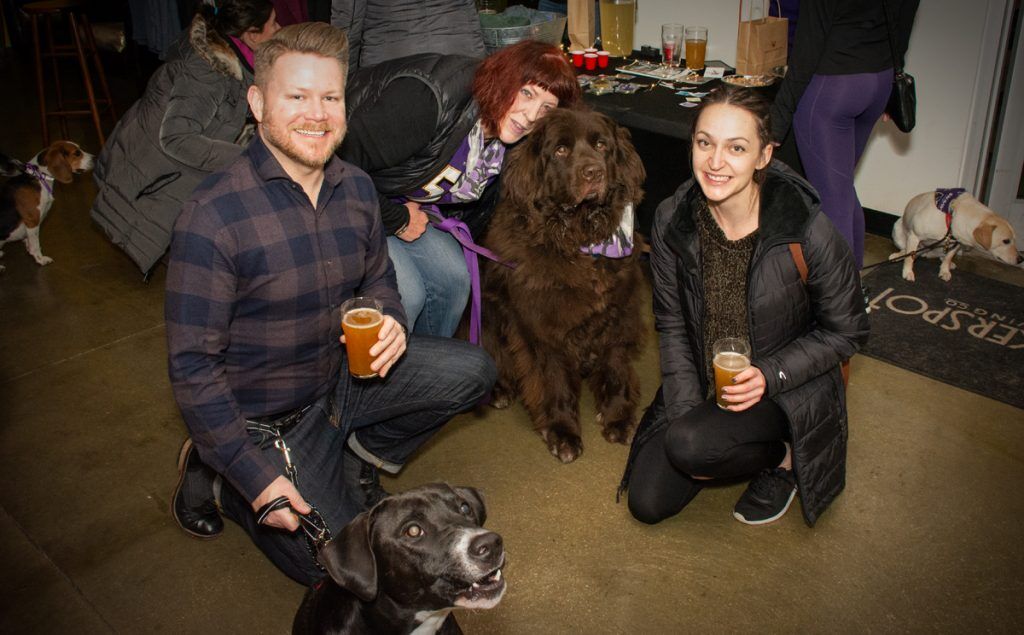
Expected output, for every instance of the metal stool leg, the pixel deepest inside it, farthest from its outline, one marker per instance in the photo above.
(86, 78)
(39, 79)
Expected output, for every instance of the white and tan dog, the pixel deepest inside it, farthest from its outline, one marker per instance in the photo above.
(972, 224)
(26, 198)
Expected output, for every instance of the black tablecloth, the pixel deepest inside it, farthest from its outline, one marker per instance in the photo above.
(655, 110)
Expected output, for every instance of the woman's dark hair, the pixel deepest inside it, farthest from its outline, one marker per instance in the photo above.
(235, 17)
(748, 99)
(503, 73)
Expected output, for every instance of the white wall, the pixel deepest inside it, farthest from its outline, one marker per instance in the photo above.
(952, 55)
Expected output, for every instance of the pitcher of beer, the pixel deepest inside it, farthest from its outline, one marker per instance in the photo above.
(731, 357)
(361, 319)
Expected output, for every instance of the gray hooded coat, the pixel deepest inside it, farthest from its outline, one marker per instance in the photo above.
(190, 122)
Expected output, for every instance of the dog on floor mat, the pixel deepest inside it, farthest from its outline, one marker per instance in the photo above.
(928, 218)
(404, 565)
(26, 197)
(570, 309)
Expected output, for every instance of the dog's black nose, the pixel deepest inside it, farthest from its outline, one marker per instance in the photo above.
(593, 172)
(484, 545)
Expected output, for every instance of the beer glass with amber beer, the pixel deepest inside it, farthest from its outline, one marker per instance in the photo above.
(731, 356)
(361, 319)
(696, 46)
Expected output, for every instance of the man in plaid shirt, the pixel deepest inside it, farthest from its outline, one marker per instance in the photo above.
(263, 256)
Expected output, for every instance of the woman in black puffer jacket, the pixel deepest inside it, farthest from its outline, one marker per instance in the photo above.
(723, 267)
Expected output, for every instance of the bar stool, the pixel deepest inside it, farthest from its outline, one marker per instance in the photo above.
(78, 47)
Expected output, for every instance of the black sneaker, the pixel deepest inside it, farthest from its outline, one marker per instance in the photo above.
(369, 481)
(192, 504)
(359, 473)
(767, 497)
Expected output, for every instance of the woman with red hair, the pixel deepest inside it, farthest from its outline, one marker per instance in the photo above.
(432, 131)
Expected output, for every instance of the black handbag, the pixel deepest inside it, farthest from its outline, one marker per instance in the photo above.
(902, 105)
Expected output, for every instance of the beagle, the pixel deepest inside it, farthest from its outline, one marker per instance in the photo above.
(26, 198)
(930, 216)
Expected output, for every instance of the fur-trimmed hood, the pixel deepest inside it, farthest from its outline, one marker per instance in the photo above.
(218, 52)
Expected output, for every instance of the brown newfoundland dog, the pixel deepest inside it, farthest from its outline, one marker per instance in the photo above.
(562, 315)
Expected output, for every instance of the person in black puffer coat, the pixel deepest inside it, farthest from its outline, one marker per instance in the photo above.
(190, 122)
(723, 267)
(431, 131)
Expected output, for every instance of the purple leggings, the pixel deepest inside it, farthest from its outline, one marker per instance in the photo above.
(832, 124)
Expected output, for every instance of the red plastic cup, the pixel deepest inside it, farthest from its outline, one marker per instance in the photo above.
(590, 61)
(577, 58)
(602, 59)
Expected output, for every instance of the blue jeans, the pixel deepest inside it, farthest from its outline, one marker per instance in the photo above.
(384, 421)
(432, 280)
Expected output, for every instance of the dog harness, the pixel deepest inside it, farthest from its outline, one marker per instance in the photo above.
(42, 177)
(944, 198)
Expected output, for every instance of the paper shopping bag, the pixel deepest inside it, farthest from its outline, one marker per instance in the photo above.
(762, 39)
(581, 23)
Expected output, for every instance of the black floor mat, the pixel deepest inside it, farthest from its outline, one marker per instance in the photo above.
(968, 332)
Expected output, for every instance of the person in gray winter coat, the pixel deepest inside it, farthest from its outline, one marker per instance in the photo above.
(723, 267)
(190, 122)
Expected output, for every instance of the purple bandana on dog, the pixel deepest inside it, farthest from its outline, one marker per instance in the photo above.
(620, 245)
(944, 197)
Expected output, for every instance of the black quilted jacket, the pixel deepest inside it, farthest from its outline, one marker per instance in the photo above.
(799, 333)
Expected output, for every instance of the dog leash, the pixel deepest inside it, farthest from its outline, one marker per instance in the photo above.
(470, 250)
(313, 525)
(947, 242)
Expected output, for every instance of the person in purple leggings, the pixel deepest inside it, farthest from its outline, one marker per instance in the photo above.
(838, 82)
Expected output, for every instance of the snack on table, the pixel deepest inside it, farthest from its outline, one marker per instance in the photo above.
(750, 81)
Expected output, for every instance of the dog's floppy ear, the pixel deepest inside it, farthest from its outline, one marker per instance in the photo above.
(349, 559)
(630, 169)
(55, 160)
(521, 172)
(475, 500)
(983, 234)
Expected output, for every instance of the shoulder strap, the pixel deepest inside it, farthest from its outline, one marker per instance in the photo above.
(797, 250)
(897, 64)
(798, 259)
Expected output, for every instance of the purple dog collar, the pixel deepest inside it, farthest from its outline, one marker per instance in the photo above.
(43, 178)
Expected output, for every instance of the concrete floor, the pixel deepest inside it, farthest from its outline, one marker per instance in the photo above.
(925, 537)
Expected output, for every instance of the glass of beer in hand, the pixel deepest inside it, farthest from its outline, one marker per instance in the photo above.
(731, 356)
(361, 319)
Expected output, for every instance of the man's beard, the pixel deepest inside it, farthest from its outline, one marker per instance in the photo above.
(282, 141)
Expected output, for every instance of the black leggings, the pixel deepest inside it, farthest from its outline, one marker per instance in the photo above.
(706, 441)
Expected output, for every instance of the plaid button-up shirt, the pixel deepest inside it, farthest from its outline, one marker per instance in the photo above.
(254, 285)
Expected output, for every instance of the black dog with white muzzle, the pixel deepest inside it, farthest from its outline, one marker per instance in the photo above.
(405, 564)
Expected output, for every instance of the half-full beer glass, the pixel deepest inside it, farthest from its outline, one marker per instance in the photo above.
(731, 356)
